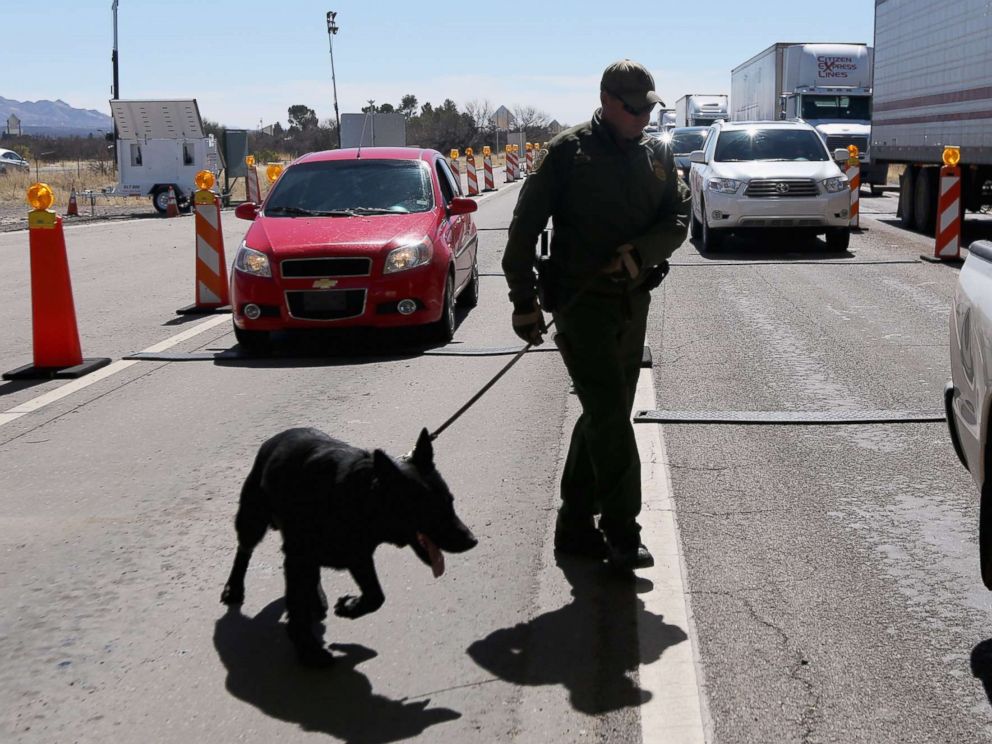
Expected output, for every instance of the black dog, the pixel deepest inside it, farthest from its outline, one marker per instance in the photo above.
(335, 504)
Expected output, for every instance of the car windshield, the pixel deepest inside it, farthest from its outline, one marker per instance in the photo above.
(769, 144)
(338, 188)
(837, 107)
(686, 142)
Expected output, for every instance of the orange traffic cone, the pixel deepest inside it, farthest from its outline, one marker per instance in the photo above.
(57, 352)
(73, 210)
(172, 209)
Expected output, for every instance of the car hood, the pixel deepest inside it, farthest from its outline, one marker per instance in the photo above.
(363, 235)
(840, 128)
(817, 170)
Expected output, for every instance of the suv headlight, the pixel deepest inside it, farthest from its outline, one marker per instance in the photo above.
(250, 261)
(723, 185)
(408, 256)
(836, 184)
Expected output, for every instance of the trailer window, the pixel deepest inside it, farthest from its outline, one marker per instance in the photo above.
(135, 153)
(836, 107)
(187, 153)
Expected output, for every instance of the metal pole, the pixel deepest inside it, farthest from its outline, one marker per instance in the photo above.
(372, 120)
(332, 29)
(113, 57)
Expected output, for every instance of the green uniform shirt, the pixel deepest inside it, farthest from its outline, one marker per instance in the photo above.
(600, 194)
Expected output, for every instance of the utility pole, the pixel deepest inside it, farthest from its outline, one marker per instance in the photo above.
(117, 89)
(372, 119)
(332, 29)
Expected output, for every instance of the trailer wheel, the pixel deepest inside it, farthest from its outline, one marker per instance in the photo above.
(160, 200)
(925, 200)
(907, 188)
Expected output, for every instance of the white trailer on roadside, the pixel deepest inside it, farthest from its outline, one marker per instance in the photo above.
(932, 89)
(161, 144)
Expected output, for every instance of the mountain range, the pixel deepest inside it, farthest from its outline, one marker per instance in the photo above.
(56, 118)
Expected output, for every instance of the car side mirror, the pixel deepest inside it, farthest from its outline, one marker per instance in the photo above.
(460, 205)
(249, 210)
(697, 156)
(841, 155)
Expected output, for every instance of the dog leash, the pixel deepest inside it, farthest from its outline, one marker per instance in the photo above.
(517, 357)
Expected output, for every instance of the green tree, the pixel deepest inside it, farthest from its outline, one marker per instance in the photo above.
(408, 105)
(302, 117)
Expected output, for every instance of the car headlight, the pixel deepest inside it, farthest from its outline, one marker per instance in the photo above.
(723, 185)
(408, 257)
(250, 261)
(835, 185)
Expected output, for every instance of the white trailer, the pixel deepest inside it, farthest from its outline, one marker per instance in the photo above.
(161, 144)
(931, 90)
(827, 85)
(700, 110)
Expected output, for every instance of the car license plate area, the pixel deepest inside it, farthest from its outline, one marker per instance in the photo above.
(326, 304)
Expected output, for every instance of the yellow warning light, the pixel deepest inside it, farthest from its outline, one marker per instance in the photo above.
(516, 148)
(486, 150)
(530, 146)
(508, 148)
(40, 196)
(852, 150)
(250, 161)
(469, 152)
(204, 180)
(952, 155)
(454, 154)
(273, 171)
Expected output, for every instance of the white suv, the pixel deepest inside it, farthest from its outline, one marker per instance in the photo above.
(768, 174)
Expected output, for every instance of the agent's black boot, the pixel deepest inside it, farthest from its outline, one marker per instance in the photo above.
(626, 556)
(580, 538)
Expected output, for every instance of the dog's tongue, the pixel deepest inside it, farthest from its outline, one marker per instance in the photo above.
(436, 556)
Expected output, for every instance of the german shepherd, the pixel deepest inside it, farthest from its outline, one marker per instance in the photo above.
(334, 505)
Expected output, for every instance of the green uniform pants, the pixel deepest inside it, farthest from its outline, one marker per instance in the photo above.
(601, 339)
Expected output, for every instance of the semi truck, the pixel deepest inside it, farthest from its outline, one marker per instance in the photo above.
(932, 90)
(700, 110)
(161, 144)
(827, 85)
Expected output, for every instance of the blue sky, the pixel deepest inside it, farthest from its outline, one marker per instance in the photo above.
(248, 61)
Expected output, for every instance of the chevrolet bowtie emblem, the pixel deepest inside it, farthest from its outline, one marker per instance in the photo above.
(325, 283)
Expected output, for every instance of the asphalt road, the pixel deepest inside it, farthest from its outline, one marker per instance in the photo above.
(831, 571)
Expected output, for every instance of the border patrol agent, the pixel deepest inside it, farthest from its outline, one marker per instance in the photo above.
(619, 210)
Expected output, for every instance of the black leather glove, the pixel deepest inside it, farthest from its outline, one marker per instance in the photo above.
(528, 321)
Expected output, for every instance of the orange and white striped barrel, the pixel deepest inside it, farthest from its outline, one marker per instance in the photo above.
(453, 162)
(530, 158)
(508, 164)
(470, 172)
(854, 178)
(948, 233)
(489, 182)
(211, 268)
(254, 191)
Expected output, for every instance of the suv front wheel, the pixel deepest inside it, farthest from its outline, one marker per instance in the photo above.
(838, 238)
(712, 239)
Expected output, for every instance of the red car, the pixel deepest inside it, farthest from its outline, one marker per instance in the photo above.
(376, 237)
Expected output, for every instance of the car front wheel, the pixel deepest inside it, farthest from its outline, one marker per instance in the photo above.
(712, 239)
(838, 238)
(444, 329)
(695, 229)
(470, 295)
(252, 342)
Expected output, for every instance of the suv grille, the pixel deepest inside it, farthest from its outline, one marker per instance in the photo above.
(782, 188)
(326, 304)
(312, 268)
(843, 140)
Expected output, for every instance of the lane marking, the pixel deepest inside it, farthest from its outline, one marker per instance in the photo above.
(76, 385)
(676, 712)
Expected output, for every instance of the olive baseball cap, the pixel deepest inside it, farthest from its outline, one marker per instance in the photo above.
(630, 82)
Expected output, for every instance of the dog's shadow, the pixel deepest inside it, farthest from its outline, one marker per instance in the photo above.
(590, 645)
(339, 701)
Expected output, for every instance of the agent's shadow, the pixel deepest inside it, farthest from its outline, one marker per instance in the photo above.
(981, 665)
(262, 671)
(590, 646)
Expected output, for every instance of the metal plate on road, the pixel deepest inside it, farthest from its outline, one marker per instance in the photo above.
(788, 418)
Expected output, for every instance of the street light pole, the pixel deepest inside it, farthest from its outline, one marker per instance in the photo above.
(332, 29)
(113, 56)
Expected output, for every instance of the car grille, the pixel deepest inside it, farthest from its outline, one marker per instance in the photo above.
(843, 140)
(782, 188)
(781, 221)
(313, 268)
(326, 304)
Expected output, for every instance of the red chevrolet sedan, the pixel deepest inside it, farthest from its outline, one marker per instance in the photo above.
(376, 237)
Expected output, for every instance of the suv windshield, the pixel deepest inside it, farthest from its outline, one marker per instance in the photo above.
(769, 144)
(342, 187)
(685, 142)
(837, 107)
